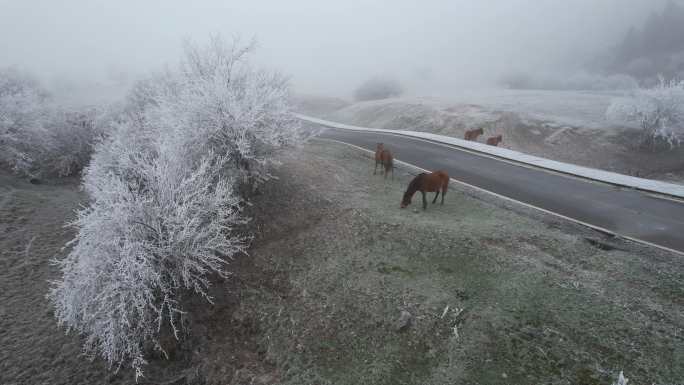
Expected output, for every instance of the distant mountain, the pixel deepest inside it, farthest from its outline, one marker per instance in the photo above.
(655, 48)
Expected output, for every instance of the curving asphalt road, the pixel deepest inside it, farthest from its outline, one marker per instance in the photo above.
(625, 212)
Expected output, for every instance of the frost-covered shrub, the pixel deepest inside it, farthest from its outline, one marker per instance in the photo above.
(234, 109)
(377, 88)
(38, 137)
(657, 111)
(164, 187)
(68, 143)
(22, 117)
(147, 236)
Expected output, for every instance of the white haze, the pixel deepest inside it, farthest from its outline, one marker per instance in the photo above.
(326, 47)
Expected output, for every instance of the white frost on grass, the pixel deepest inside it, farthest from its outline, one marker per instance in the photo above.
(472, 108)
(621, 379)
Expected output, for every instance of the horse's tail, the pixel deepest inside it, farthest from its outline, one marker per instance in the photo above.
(388, 162)
(445, 183)
(386, 159)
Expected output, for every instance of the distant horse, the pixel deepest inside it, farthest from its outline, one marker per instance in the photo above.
(384, 158)
(473, 134)
(495, 140)
(425, 183)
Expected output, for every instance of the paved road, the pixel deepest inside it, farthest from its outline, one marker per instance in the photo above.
(626, 212)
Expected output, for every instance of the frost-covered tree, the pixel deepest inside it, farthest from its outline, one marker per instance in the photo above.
(165, 198)
(379, 87)
(657, 111)
(22, 117)
(38, 137)
(234, 109)
(656, 47)
(69, 139)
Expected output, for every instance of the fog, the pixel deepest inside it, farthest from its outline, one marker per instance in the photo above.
(326, 47)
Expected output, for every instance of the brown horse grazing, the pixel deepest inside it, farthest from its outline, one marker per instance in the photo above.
(378, 150)
(425, 183)
(473, 134)
(384, 159)
(495, 140)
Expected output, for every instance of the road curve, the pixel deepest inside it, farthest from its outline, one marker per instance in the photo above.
(629, 213)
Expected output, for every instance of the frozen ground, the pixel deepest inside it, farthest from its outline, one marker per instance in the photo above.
(496, 294)
(561, 108)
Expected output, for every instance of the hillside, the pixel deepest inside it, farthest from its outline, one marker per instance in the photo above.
(496, 294)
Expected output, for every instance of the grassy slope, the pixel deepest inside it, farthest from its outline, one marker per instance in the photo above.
(334, 263)
(531, 303)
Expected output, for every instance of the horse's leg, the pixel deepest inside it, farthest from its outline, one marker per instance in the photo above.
(436, 195)
(424, 200)
(376, 167)
(444, 190)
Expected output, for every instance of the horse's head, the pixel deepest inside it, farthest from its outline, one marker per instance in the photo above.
(412, 188)
(380, 147)
(406, 200)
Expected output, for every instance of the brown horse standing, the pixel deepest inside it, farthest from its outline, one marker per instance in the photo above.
(473, 134)
(495, 140)
(425, 183)
(384, 159)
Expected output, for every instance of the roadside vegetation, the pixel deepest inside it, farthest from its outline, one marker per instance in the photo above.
(658, 112)
(38, 137)
(153, 282)
(166, 189)
(475, 291)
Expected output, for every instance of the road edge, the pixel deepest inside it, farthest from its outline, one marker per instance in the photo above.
(508, 199)
(615, 179)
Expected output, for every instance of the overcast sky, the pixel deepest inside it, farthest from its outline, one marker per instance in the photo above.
(325, 46)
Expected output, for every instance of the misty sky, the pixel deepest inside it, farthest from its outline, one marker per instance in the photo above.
(326, 46)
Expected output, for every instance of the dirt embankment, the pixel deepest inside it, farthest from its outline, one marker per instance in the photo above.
(343, 287)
